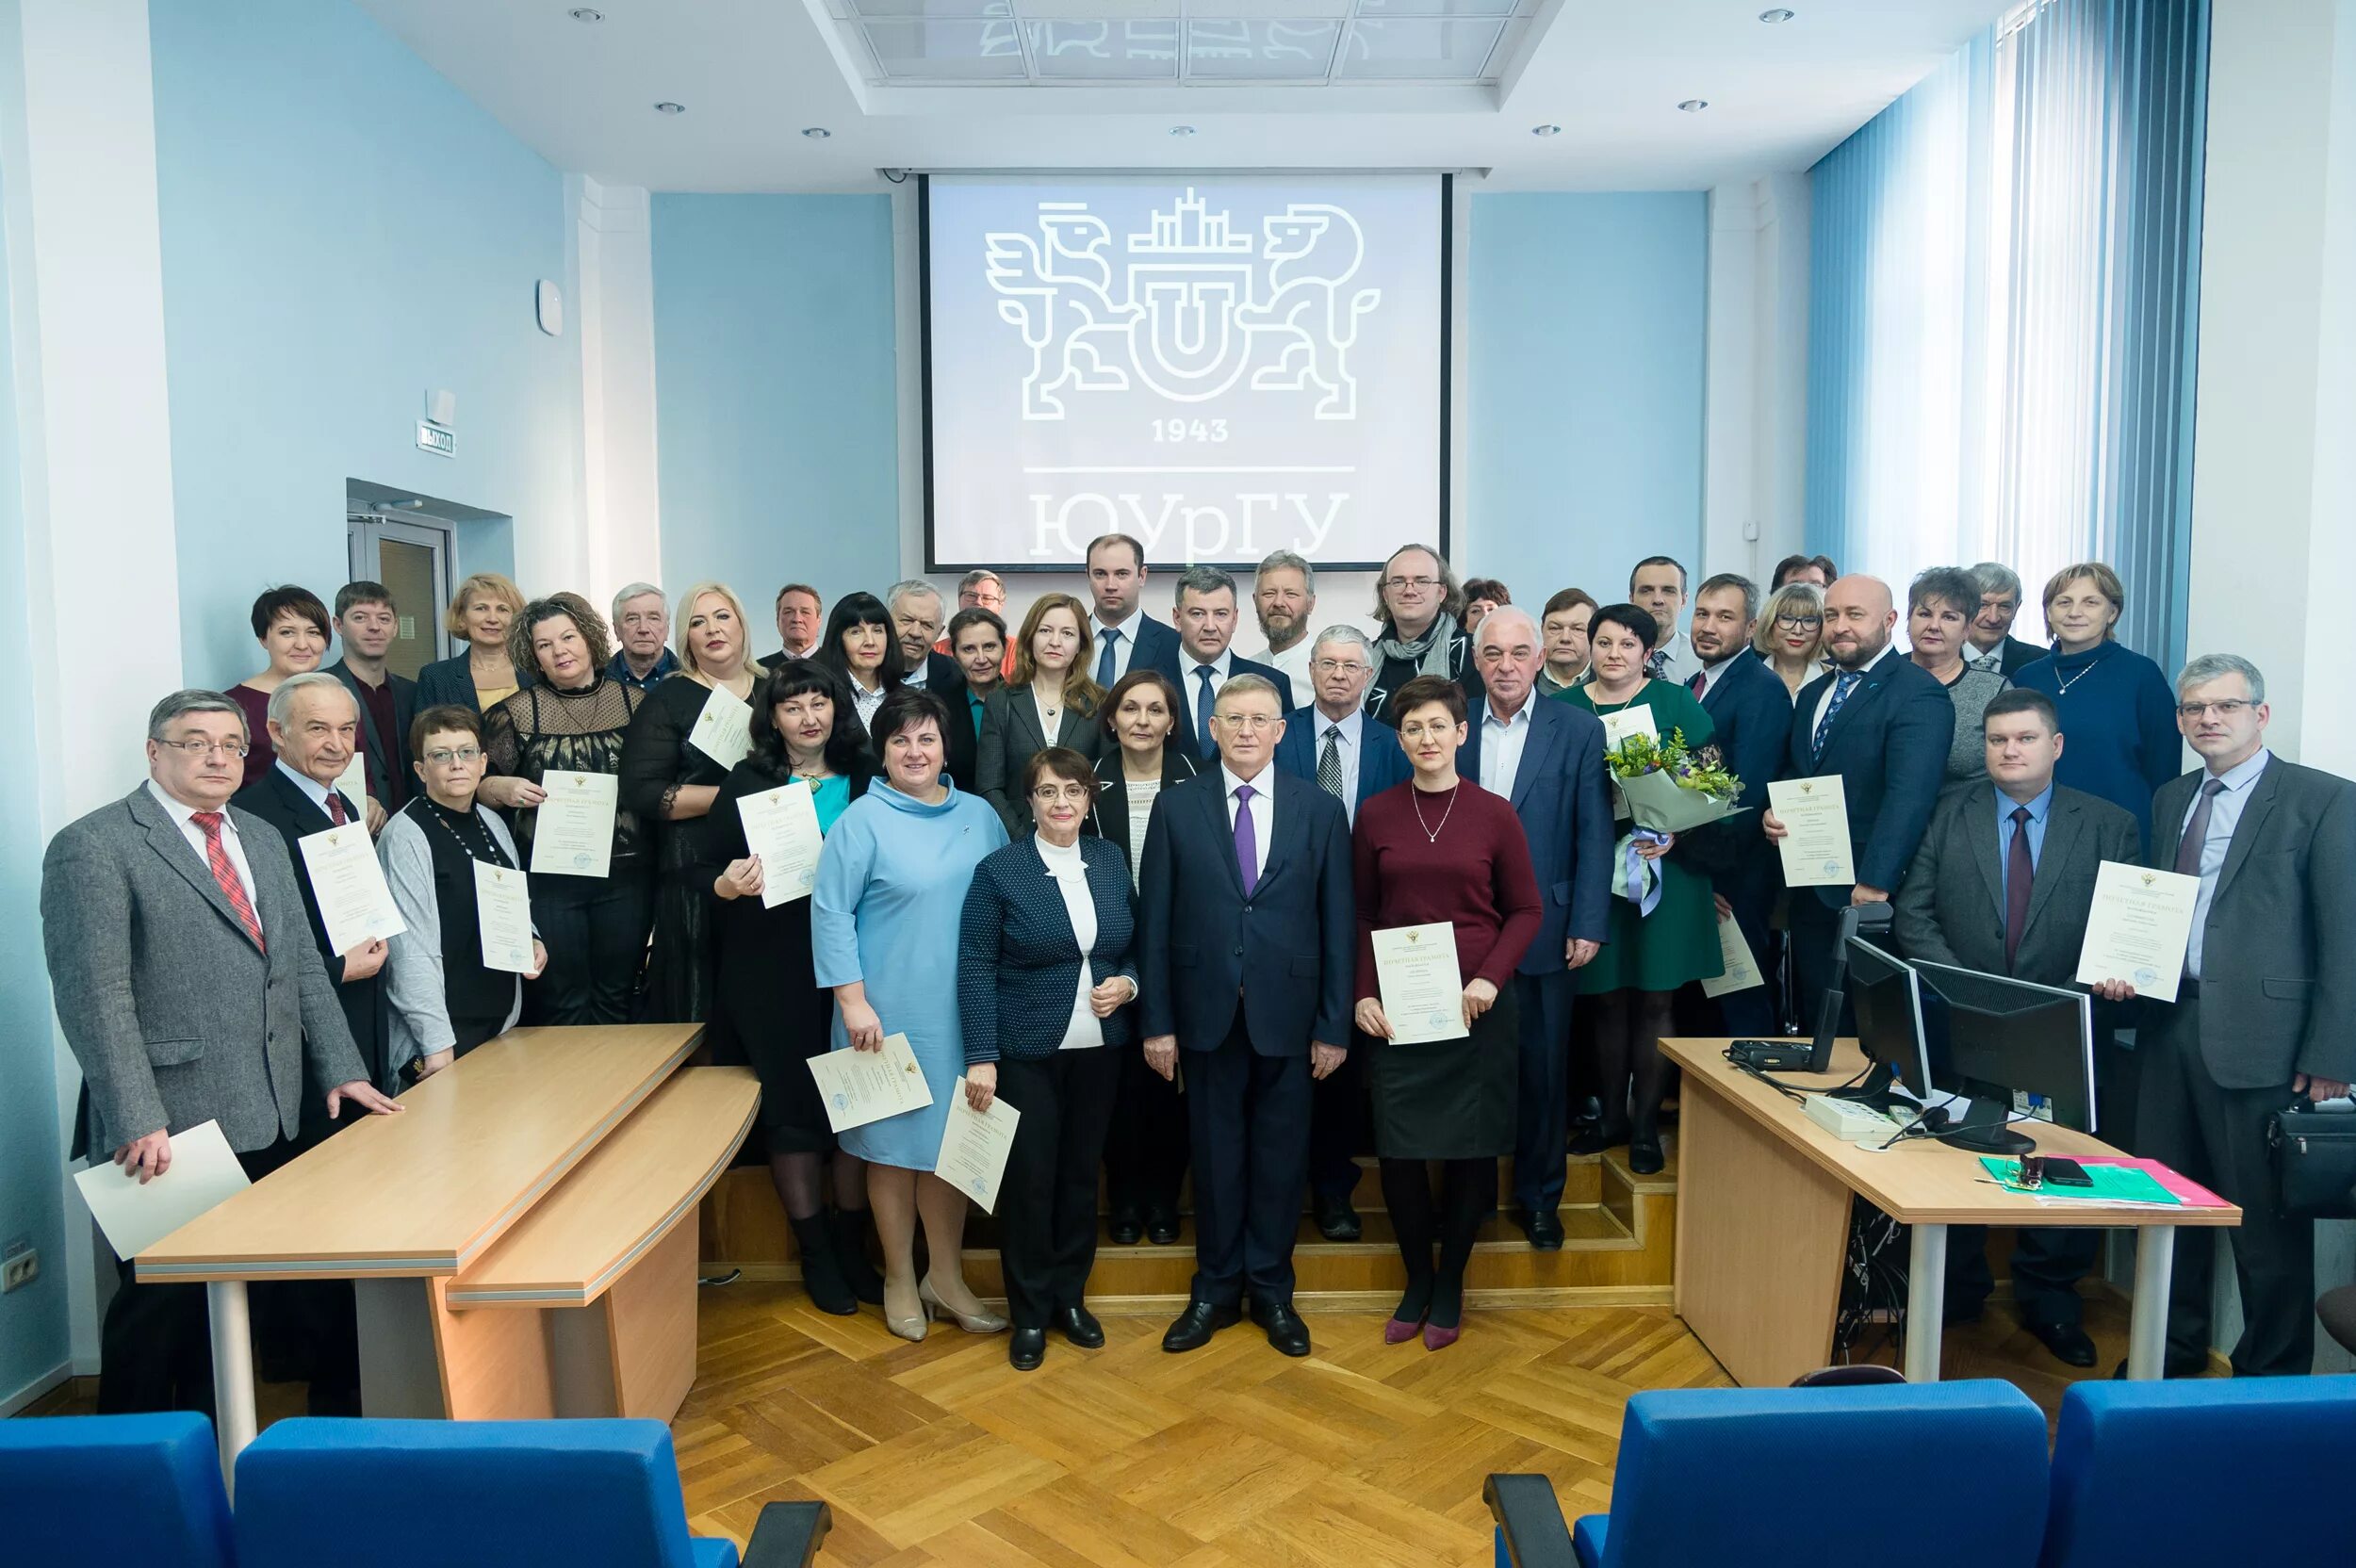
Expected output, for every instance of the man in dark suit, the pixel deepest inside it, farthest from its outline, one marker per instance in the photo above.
(916, 621)
(977, 641)
(1336, 744)
(1880, 722)
(2261, 1013)
(190, 991)
(1752, 712)
(1547, 758)
(1249, 942)
(1123, 634)
(801, 621)
(2004, 884)
(1993, 645)
(1206, 617)
(366, 621)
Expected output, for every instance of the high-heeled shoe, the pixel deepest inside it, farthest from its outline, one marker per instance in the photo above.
(973, 1323)
(1437, 1338)
(914, 1328)
(1398, 1330)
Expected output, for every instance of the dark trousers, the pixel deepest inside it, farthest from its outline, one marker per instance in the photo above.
(2047, 1265)
(1047, 1209)
(1541, 1127)
(1754, 1013)
(595, 930)
(1340, 1128)
(1814, 930)
(1145, 1158)
(2216, 1135)
(1249, 1115)
(156, 1347)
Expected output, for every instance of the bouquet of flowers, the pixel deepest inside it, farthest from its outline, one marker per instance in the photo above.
(1670, 787)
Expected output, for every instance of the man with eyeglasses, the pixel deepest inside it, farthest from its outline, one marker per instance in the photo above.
(1417, 600)
(190, 990)
(2262, 1012)
(1248, 940)
(1206, 627)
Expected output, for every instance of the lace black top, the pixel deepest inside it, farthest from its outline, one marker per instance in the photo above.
(542, 729)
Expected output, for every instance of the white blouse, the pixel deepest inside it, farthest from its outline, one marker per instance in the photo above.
(1141, 816)
(1068, 867)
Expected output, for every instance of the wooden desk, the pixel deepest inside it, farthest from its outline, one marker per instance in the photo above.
(1763, 1200)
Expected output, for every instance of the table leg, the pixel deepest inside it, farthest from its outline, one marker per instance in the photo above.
(232, 1372)
(2147, 1320)
(1926, 1302)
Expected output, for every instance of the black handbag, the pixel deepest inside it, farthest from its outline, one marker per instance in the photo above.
(2314, 1155)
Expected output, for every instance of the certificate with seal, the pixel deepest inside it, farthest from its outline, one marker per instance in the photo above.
(1742, 969)
(723, 730)
(1815, 845)
(347, 885)
(974, 1148)
(1423, 997)
(781, 826)
(502, 910)
(572, 835)
(860, 1086)
(1635, 719)
(353, 783)
(2138, 929)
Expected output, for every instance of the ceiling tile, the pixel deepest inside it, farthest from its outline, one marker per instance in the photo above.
(1105, 51)
(952, 51)
(1260, 51)
(1416, 49)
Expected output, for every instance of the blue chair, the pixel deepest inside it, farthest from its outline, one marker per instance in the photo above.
(398, 1494)
(2204, 1470)
(1929, 1475)
(83, 1489)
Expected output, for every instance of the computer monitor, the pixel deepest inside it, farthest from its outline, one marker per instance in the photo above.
(1834, 1016)
(1990, 1036)
(1886, 998)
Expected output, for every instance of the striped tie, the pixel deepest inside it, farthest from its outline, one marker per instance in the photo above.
(1842, 684)
(217, 856)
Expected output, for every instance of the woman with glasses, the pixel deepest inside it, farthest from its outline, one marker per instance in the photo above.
(1791, 634)
(1145, 1162)
(2117, 706)
(1939, 606)
(445, 1000)
(1418, 602)
(1051, 701)
(291, 625)
(1044, 982)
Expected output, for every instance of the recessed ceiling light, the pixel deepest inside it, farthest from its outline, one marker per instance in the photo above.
(1695, 105)
(1182, 130)
(586, 13)
(666, 107)
(1546, 130)
(1777, 15)
(816, 133)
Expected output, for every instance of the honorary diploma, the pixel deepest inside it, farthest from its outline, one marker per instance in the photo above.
(2139, 928)
(860, 1086)
(354, 904)
(1815, 815)
(724, 729)
(1742, 969)
(974, 1148)
(781, 826)
(502, 907)
(573, 834)
(1423, 997)
(1633, 720)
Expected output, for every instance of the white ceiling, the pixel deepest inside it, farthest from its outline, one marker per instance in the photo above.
(754, 73)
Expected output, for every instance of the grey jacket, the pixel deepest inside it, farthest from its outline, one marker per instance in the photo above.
(174, 1014)
(1950, 906)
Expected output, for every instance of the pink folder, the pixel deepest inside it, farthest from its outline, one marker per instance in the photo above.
(2190, 1192)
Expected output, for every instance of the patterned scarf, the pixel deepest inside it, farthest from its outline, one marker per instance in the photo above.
(1429, 652)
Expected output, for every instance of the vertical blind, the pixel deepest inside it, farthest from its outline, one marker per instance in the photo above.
(2003, 291)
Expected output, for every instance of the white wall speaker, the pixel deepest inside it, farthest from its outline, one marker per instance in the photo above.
(549, 302)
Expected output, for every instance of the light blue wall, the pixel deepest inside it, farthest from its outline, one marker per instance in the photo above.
(775, 394)
(342, 230)
(33, 1334)
(1585, 441)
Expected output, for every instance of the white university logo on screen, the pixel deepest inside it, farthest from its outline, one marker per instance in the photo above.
(1195, 304)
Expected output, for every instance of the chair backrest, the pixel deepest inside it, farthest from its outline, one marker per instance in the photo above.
(2204, 1470)
(1929, 1475)
(83, 1489)
(398, 1494)
(1862, 1374)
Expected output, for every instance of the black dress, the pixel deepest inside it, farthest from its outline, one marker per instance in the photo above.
(657, 763)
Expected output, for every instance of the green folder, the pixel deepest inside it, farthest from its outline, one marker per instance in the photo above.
(2113, 1184)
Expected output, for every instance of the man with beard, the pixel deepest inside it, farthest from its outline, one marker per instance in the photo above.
(1284, 596)
(1747, 702)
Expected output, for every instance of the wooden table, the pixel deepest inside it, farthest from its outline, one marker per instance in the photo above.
(1763, 1201)
(413, 1209)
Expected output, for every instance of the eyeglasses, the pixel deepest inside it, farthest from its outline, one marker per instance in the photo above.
(463, 756)
(1250, 723)
(1800, 623)
(1047, 794)
(1340, 666)
(208, 748)
(2225, 709)
(1401, 585)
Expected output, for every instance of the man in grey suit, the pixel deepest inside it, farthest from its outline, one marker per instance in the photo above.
(189, 989)
(2261, 1013)
(2003, 884)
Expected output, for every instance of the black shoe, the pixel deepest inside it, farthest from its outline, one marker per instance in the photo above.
(1284, 1327)
(1026, 1349)
(1645, 1157)
(822, 1275)
(1198, 1323)
(2068, 1341)
(1126, 1228)
(1337, 1220)
(1161, 1227)
(2177, 1366)
(1544, 1227)
(1080, 1325)
(850, 1254)
(1595, 1139)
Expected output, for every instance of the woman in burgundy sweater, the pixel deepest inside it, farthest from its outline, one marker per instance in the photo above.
(1438, 848)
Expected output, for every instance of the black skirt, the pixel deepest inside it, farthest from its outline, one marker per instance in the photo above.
(768, 999)
(1449, 1100)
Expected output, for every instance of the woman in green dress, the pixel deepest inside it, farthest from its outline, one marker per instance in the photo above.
(1647, 954)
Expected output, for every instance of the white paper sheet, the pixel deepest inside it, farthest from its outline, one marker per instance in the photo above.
(572, 831)
(860, 1086)
(974, 1148)
(1423, 996)
(203, 1173)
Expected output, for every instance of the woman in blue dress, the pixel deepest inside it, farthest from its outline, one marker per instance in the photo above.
(891, 884)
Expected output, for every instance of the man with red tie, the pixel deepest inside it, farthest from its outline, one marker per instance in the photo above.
(190, 990)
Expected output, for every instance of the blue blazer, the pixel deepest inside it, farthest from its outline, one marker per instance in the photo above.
(1888, 744)
(1565, 807)
(1381, 762)
(1751, 709)
(1153, 645)
(1285, 955)
(1019, 961)
(1184, 734)
(447, 680)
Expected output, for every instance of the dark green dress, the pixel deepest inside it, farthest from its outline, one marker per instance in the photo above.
(1679, 940)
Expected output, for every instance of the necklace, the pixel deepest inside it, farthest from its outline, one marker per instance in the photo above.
(1415, 798)
(435, 809)
(2075, 679)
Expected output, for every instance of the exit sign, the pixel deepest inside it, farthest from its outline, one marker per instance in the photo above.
(438, 439)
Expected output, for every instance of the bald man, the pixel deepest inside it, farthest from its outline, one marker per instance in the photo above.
(1883, 724)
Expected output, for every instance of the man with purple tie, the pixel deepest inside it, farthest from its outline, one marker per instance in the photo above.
(1248, 938)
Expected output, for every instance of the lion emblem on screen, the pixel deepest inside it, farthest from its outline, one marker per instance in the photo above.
(1189, 308)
